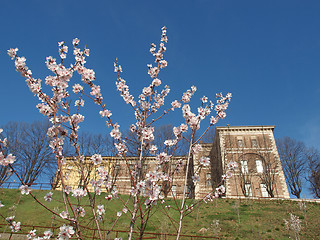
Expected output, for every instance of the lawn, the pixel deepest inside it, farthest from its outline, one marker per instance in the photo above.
(223, 218)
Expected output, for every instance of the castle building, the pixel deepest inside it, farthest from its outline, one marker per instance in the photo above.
(253, 148)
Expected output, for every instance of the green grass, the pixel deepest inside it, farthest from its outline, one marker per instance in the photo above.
(238, 219)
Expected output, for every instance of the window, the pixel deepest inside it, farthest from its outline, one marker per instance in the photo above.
(132, 167)
(264, 192)
(254, 142)
(173, 166)
(208, 179)
(247, 187)
(259, 166)
(174, 190)
(189, 191)
(244, 166)
(240, 143)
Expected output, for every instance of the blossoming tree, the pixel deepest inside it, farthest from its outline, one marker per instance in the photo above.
(65, 117)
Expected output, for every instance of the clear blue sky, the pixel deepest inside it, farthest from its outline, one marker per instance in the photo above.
(267, 53)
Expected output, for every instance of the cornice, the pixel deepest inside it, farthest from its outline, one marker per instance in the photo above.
(245, 128)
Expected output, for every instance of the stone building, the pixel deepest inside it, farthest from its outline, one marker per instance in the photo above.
(259, 172)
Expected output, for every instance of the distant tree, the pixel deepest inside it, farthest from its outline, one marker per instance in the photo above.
(5, 174)
(30, 144)
(293, 159)
(5, 171)
(313, 157)
(268, 176)
(90, 144)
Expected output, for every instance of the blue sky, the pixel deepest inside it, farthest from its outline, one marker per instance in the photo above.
(266, 53)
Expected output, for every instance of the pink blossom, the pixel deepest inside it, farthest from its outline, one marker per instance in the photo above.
(156, 82)
(163, 157)
(204, 161)
(76, 119)
(79, 193)
(63, 214)
(204, 99)
(232, 165)
(163, 63)
(48, 197)
(222, 115)
(147, 133)
(77, 88)
(221, 190)
(177, 131)
(81, 211)
(153, 176)
(66, 232)
(75, 41)
(10, 159)
(147, 91)
(20, 63)
(196, 148)
(12, 52)
(121, 147)
(95, 91)
(153, 149)
(133, 128)
(115, 133)
(184, 127)
(45, 109)
(153, 48)
(103, 173)
(15, 226)
(79, 103)
(32, 234)
(105, 113)
(213, 120)
(100, 210)
(96, 159)
(10, 219)
(47, 234)
(175, 104)
(25, 190)
(117, 67)
(170, 142)
(86, 51)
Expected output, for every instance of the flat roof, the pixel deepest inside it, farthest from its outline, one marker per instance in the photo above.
(246, 127)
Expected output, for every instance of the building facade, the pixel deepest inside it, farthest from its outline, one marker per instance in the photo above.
(253, 148)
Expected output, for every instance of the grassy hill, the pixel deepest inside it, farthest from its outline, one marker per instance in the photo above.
(223, 218)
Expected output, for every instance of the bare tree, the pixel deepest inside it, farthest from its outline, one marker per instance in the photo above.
(90, 144)
(245, 175)
(5, 174)
(292, 155)
(313, 157)
(268, 175)
(30, 144)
